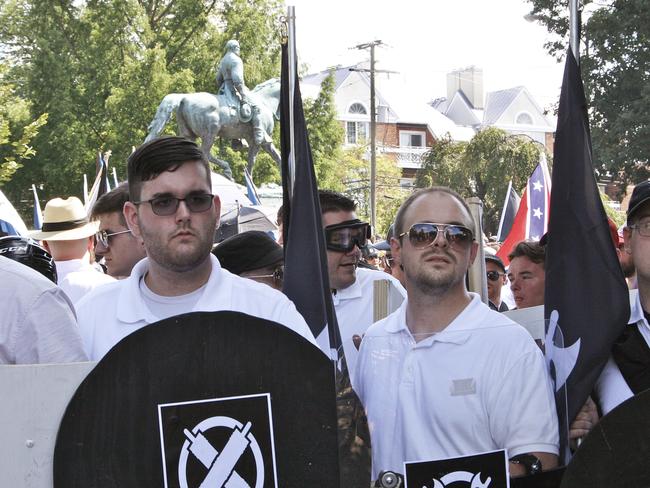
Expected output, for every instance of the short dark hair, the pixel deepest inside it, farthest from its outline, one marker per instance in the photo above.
(112, 202)
(331, 201)
(159, 155)
(532, 250)
(401, 213)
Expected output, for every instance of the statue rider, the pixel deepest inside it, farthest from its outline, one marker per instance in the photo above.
(230, 83)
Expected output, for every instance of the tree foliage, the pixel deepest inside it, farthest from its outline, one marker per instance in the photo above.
(615, 56)
(100, 68)
(481, 168)
(17, 129)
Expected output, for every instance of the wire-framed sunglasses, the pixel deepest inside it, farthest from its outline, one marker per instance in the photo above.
(168, 205)
(344, 236)
(642, 228)
(493, 275)
(424, 234)
(103, 237)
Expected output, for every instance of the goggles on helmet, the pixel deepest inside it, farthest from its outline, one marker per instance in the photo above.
(344, 236)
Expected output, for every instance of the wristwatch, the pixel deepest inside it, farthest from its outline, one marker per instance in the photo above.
(532, 463)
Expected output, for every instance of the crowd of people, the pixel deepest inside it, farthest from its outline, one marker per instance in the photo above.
(444, 375)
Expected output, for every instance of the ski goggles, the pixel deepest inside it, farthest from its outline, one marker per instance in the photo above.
(344, 236)
(424, 234)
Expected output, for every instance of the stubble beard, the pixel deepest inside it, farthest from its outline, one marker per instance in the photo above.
(432, 281)
(159, 251)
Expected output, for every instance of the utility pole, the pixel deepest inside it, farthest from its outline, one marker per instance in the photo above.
(373, 125)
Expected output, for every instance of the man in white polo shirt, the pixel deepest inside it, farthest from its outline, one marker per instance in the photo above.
(173, 211)
(352, 287)
(444, 375)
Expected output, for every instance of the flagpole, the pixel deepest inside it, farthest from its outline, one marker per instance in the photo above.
(574, 29)
(291, 31)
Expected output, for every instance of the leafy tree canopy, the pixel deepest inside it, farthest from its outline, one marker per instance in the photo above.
(481, 168)
(100, 68)
(615, 56)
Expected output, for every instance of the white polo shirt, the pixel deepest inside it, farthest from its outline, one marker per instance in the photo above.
(479, 385)
(111, 312)
(76, 277)
(354, 309)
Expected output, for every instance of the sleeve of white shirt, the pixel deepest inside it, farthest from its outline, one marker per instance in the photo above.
(48, 332)
(611, 388)
(522, 411)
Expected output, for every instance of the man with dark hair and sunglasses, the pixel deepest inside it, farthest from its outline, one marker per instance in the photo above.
(352, 287)
(496, 278)
(445, 376)
(171, 208)
(114, 242)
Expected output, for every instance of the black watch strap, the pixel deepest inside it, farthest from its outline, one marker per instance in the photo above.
(532, 463)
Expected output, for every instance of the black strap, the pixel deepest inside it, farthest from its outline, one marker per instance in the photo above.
(67, 225)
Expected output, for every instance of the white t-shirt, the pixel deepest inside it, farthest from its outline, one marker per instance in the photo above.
(355, 308)
(479, 385)
(109, 313)
(77, 277)
(37, 324)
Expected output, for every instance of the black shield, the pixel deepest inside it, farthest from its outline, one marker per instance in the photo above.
(163, 393)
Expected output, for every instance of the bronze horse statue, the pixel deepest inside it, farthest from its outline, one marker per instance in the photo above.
(208, 116)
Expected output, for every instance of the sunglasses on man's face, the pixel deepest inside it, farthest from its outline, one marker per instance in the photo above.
(494, 275)
(344, 236)
(103, 237)
(424, 234)
(168, 205)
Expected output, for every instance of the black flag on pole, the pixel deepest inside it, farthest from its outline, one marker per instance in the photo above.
(306, 281)
(585, 292)
(510, 207)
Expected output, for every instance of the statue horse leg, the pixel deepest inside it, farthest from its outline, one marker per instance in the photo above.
(253, 149)
(270, 148)
(206, 146)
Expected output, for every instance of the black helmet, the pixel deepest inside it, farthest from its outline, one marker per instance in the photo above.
(28, 252)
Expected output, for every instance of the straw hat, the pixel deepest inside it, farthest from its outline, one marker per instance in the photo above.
(65, 220)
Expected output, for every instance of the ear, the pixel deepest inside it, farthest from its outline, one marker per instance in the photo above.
(130, 211)
(473, 252)
(627, 236)
(217, 207)
(396, 250)
(90, 245)
(46, 246)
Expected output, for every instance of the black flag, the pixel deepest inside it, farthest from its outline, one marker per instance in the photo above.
(585, 291)
(306, 281)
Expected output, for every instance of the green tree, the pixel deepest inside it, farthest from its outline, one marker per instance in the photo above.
(481, 168)
(325, 134)
(614, 64)
(101, 67)
(17, 129)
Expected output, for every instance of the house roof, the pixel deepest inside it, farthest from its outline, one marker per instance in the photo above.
(340, 74)
(498, 101)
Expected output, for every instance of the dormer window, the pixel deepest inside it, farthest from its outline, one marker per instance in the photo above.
(357, 109)
(524, 118)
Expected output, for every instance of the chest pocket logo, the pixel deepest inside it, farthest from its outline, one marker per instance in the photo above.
(461, 387)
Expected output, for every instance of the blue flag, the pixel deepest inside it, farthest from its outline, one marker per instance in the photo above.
(251, 191)
(38, 214)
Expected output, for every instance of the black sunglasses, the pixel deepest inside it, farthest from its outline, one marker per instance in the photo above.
(344, 236)
(494, 275)
(103, 237)
(424, 234)
(168, 205)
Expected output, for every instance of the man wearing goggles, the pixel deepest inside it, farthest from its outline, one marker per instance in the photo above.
(352, 287)
(445, 376)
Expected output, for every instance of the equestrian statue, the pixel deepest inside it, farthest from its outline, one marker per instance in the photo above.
(235, 112)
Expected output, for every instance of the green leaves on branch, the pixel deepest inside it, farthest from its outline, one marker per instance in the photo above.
(482, 168)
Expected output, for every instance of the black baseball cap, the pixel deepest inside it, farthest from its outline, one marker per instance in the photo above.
(248, 251)
(495, 259)
(640, 195)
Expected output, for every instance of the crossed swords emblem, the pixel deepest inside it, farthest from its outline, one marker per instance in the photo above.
(221, 465)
